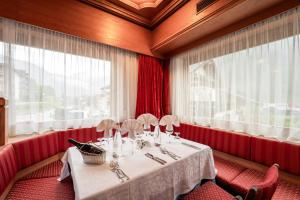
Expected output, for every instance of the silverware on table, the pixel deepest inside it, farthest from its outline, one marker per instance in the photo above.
(159, 160)
(172, 155)
(190, 145)
(114, 165)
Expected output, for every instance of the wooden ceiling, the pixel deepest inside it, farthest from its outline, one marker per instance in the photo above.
(182, 30)
(147, 13)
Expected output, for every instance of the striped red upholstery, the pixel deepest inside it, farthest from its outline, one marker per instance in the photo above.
(268, 151)
(50, 170)
(208, 191)
(233, 143)
(245, 180)
(227, 170)
(8, 166)
(82, 135)
(42, 188)
(33, 150)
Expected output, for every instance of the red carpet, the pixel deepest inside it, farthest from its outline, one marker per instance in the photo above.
(287, 191)
(42, 189)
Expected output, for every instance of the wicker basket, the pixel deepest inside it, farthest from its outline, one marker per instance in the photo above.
(91, 158)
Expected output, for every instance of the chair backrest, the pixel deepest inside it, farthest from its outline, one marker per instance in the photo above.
(107, 125)
(147, 120)
(132, 126)
(265, 189)
(169, 121)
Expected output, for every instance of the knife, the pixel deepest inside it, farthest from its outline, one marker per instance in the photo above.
(192, 146)
(161, 161)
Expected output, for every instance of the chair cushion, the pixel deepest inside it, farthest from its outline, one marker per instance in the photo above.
(227, 170)
(42, 188)
(209, 191)
(286, 190)
(245, 180)
(8, 166)
(50, 170)
(269, 151)
(35, 149)
(81, 135)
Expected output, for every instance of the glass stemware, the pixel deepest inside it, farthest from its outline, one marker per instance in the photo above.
(147, 130)
(169, 133)
(177, 135)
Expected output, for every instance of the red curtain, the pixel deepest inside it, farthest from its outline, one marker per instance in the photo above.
(166, 89)
(153, 87)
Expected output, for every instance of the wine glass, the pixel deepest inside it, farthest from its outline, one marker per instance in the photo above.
(177, 135)
(147, 129)
(169, 133)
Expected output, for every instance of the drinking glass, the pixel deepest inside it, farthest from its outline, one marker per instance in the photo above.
(177, 135)
(169, 133)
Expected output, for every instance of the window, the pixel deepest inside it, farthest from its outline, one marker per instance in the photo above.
(253, 87)
(245, 81)
(53, 89)
(55, 81)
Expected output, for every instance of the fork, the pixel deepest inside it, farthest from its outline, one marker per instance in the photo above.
(119, 172)
(172, 155)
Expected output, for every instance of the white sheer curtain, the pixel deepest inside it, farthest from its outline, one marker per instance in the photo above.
(57, 81)
(245, 81)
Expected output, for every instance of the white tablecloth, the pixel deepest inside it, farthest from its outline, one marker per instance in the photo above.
(148, 178)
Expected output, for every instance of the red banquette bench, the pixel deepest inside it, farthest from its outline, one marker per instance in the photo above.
(20, 155)
(258, 149)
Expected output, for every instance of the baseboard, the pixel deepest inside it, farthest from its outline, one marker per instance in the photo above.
(256, 166)
(24, 172)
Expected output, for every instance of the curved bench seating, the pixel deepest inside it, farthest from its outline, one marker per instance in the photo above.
(16, 158)
(8, 166)
(227, 170)
(268, 151)
(22, 155)
(237, 144)
(258, 149)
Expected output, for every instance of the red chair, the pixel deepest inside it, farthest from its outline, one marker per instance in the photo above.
(265, 189)
(260, 191)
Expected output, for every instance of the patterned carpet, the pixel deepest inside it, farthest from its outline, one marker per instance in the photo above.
(42, 189)
(43, 185)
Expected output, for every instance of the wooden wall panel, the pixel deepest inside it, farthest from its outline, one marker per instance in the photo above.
(178, 34)
(185, 19)
(79, 19)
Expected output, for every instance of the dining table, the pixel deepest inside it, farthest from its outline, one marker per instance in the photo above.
(147, 178)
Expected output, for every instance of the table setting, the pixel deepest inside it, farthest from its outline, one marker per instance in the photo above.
(148, 165)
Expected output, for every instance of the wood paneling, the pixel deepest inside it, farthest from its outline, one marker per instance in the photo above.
(181, 31)
(178, 34)
(148, 15)
(3, 122)
(79, 19)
